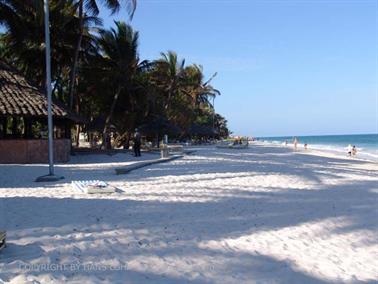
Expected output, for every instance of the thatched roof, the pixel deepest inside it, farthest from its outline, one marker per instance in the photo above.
(98, 124)
(158, 125)
(203, 130)
(19, 97)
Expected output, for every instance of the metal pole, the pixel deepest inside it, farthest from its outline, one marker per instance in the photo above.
(48, 89)
(50, 177)
(214, 116)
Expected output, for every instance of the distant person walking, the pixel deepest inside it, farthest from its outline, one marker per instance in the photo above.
(295, 142)
(137, 143)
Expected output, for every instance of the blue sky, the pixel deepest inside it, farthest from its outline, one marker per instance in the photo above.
(302, 67)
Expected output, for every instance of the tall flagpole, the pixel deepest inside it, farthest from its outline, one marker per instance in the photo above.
(48, 87)
(50, 176)
(214, 117)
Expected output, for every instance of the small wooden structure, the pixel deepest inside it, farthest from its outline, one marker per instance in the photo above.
(23, 122)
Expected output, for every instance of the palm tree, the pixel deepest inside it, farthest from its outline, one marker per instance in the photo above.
(183, 89)
(197, 88)
(169, 75)
(119, 65)
(23, 39)
(92, 8)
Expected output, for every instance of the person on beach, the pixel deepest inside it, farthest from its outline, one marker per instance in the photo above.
(350, 150)
(305, 146)
(285, 142)
(108, 140)
(137, 143)
(354, 150)
(295, 142)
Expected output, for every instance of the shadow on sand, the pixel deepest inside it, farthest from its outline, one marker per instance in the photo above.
(135, 229)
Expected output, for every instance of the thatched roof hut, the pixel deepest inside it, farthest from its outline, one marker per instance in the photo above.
(202, 130)
(158, 125)
(19, 97)
(23, 120)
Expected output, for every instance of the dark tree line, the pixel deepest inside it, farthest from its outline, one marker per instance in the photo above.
(98, 73)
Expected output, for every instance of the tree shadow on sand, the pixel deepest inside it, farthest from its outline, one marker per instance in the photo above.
(182, 226)
(163, 235)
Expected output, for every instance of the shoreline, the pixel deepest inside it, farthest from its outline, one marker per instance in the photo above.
(311, 150)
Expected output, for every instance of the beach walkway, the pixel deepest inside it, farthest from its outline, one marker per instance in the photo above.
(260, 215)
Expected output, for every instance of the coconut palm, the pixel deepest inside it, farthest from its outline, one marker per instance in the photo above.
(197, 88)
(169, 76)
(92, 8)
(23, 39)
(119, 66)
(183, 89)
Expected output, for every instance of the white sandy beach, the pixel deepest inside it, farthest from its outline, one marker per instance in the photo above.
(261, 215)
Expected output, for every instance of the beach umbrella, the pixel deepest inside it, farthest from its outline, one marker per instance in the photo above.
(98, 124)
(202, 130)
(51, 176)
(158, 125)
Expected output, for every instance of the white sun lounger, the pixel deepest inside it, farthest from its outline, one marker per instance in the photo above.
(232, 146)
(3, 235)
(92, 186)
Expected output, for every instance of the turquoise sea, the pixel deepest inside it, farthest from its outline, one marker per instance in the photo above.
(367, 144)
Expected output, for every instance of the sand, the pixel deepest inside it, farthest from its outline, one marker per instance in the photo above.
(261, 215)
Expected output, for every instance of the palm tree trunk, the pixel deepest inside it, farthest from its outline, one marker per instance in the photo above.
(109, 117)
(128, 138)
(169, 98)
(77, 126)
(76, 55)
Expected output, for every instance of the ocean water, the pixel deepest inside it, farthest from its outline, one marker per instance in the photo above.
(367, 144)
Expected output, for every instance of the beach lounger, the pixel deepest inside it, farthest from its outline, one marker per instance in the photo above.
(232, 146)
(92, 186)
(3, 235)
(176, 148)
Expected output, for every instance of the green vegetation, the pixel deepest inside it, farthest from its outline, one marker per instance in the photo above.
(98, 74)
